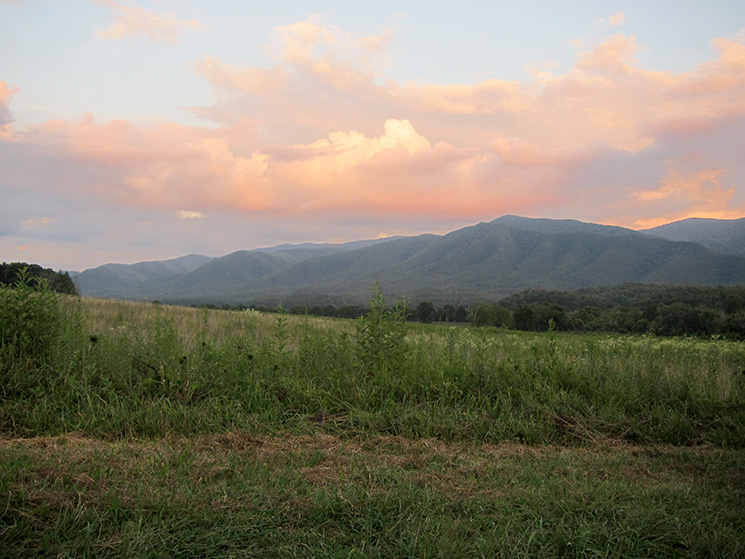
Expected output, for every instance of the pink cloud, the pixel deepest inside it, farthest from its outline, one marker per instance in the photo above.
(6, 117)
(116, 144)
(613, 56)
(695, 194)
(165, 166)
(131, 20)
(318, 86)
(318, 132)
(329, 52)
(616, 19)
(402, 172)
(252, 79)
(517, 152)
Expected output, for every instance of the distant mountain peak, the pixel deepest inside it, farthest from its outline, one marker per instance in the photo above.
(723, 235)
(482, 262)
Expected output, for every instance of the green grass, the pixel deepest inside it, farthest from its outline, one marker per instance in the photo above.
(325, 496)
(151, 431)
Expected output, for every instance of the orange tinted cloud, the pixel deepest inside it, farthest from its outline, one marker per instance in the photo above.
(616, 19)
(320, 132)
(697, 194)
(252, 79)
(166, 166)
(329, 52)
(6, 118)
(325, 80)
(401, 172)
(6, 92)
(131, 20)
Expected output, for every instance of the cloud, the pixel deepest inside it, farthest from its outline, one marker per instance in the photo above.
(187, 214)
(616, 19)
(6, 93)
(316, 86)
(616, 55)
(328, 51)
(132, 20)
(6, 117)
(320, 131)
(697, 193)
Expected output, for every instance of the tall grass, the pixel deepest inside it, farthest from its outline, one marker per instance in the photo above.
(126, 369)
(142, 430)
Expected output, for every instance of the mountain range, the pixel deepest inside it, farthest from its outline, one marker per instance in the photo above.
(727, 236)
(483, 262)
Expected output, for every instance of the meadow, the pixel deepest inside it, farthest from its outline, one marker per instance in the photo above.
(147, 430)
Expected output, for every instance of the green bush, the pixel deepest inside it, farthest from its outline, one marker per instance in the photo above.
(30, 320)
(381, 343)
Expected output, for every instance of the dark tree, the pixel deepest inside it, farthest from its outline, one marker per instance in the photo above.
(58, 281)
(425, 312)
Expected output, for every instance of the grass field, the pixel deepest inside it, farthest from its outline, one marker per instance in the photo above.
(144, 430)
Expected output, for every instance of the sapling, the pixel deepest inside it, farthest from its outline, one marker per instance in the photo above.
(380, 334)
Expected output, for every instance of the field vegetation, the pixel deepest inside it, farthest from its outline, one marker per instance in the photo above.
(149, 430)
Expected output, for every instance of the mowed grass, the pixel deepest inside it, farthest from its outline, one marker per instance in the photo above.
(235, 495)
(155, 431)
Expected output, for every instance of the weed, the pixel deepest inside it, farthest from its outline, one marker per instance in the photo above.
(281, 334)
(30, 321)
(380, 335)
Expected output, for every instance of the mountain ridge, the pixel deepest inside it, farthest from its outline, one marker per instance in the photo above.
(485, 261)
(723, 235)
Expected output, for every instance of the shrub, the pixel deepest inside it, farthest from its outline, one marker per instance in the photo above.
(30, 320)
(380, 334)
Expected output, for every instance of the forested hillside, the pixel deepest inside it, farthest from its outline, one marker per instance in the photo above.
(480, 263)
(723, 235)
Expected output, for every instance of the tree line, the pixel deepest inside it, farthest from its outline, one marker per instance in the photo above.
(628, 308)
(59, 281)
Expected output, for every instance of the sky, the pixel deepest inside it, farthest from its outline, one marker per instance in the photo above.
(138, 130)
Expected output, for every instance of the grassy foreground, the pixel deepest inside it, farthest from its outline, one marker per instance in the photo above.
(151, 431)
